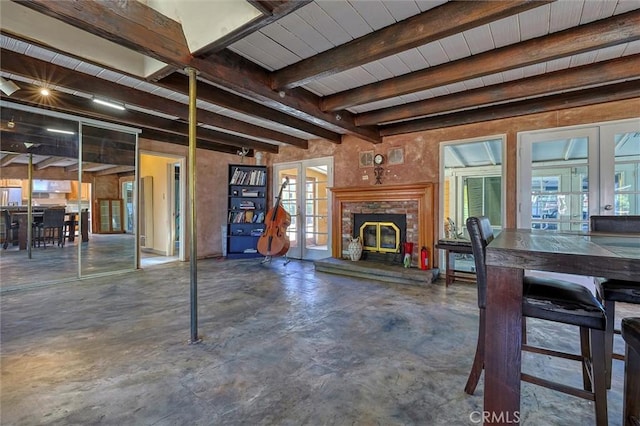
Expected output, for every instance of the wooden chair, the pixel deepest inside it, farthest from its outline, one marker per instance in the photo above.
(552, 300)
(631, 409)
(613, 291)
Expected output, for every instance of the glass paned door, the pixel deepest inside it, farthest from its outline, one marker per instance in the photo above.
(306, 200)
(568, 175)
(621, 152)
(558, 175)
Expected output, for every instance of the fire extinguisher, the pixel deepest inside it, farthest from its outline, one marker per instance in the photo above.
(424, 258)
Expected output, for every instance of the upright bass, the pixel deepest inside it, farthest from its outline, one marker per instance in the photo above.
(274, 241)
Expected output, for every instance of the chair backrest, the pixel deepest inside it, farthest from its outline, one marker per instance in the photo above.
(480, 234)
(615, 224)
(53, 218)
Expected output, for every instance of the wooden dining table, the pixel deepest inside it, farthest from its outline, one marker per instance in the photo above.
(508, 256)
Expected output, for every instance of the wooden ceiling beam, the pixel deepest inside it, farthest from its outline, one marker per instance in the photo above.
(593, 96)
(180, 83)
(574, 78)
(116, 21)
(443, 21)
(608, 32)
(184, 141)
(26, 66)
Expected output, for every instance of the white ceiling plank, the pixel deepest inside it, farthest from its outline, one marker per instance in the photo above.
(534, 22)
(402, 9)
(533, 70)
(395, 65)
(270, 52)
(492, 79)
(440, 91)
(624, 6)
(505, 31)
(456, 87)
(345, 15)
(632, 48)
(109, 75)
(425, 5)
(281, 35)
(610, 53)
(354, 77)
(316, 17)
(479, 39)
(317, 87)
(455, 47)
(473, 83)
(585, 58)
(377, 70)
(596, 10)
(514, 74)
(301, 29)
(373, 12)
(14, 45)
(565, 14)
(558, 64)
(88, 68)
(413, 59)
(433, 53)
(424, 94)
(252, 53)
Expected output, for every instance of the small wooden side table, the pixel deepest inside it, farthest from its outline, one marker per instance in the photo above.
(451, 247)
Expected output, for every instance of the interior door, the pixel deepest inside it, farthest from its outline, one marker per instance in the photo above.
(306, 200)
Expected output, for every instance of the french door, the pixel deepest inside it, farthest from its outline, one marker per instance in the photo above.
(306, 199)
(567, 175)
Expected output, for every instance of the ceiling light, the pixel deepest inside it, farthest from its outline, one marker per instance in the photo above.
(64, 132)
(109, 104)
(45, 92)
(8, 86)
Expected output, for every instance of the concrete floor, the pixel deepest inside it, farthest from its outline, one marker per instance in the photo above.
(281, 345)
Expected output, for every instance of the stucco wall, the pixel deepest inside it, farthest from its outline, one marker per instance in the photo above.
(421, 149)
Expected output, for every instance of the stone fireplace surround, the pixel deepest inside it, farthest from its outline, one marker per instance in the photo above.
(416, 201)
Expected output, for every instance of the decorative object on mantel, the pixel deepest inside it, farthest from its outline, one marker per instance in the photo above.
(355, 248)
(378, 170)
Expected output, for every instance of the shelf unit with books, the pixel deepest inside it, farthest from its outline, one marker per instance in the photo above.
(246, 209)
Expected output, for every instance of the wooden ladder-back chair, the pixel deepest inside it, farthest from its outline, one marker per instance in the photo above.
(613, 291)
(552, 300)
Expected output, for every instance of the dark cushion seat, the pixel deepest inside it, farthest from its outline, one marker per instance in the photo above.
(562, 301)
(620, 291)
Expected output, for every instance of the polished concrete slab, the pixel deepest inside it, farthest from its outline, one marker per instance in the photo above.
(281, 345)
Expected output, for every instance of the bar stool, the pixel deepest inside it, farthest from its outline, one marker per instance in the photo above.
(613, 291)
(551, 300)
(631, 335)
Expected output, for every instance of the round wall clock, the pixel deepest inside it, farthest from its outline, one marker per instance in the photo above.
(378, 159)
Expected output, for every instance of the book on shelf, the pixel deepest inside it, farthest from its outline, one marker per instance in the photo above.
(249, 192)
(252, 177)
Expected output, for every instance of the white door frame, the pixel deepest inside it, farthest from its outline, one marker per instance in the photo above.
(301, 252)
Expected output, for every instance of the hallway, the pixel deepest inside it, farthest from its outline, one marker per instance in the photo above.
(282, 345)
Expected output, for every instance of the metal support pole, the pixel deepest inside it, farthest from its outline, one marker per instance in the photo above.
(29, 207)
(193, 253)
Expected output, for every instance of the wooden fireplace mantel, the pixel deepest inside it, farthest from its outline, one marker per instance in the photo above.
(423, 193)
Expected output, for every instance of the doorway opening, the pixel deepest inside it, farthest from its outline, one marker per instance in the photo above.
(161, 202)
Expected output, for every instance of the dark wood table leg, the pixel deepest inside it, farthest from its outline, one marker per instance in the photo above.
(450, 267)
(72, 227)
(503, 343)
(22, 231)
